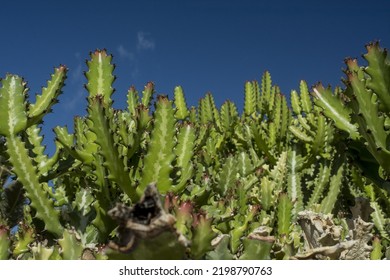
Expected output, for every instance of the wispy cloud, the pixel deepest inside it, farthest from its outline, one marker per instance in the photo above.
(74, 102)
(77, 74)
(124, 53)
(76, 92)
(144, 41)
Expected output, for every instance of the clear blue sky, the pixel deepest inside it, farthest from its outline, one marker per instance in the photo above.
(201, 45)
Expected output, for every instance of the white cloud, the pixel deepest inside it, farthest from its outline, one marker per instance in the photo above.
(75, 101)
(144, 42)
(124, 53)
(77, 74)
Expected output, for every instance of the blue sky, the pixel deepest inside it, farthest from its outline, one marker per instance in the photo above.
(204, 46)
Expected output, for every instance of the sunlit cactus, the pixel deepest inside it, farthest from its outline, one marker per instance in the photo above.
(160, 179)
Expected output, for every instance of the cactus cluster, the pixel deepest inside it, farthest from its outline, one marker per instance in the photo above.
(161, 180)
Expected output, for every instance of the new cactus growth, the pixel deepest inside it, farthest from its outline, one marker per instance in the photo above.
(200, 182)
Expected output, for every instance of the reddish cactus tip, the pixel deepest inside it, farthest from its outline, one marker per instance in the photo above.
(350, 60)
(162, 97)
(98, 52)
(318, 85)
(149, 85)
(255, 208)
(373, 44)
(200, 219)
(188, 123)
(4, 228)
(376, 238)
(62, 68)
(186, 206)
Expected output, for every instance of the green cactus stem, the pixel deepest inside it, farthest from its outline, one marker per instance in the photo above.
(26, 173)
(221, 251)
(71, 249)
(158, 160)
(13, 113)
(184, 218)
(284, 214)
(379, 70)
(105, 139)
(376, 253)
(184, 152)
(257, 248)
(294, 178)
(4, 242)
(207, 110)
(41, 252)
(229, 118)
(321, 181)
(99, 75)
(49, 96)
(228, 175)
(202, 237)
(335, 109)
(250, 98)
(329, 201)
(372, 125)
(25, 236)
(240, 227)
(265, 92)
(147, 94)
(132, 100)
(180, 102)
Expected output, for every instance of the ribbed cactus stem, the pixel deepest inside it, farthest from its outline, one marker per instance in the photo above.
(27, 175)
(158, 160)
(4, 242)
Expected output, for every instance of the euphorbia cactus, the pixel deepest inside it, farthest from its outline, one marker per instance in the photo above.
(362, 111)
(234, 186)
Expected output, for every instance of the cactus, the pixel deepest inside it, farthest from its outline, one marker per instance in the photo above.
(4, 243)
(198, 182)
(158, 160)
(15, 115)
(361, 110)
